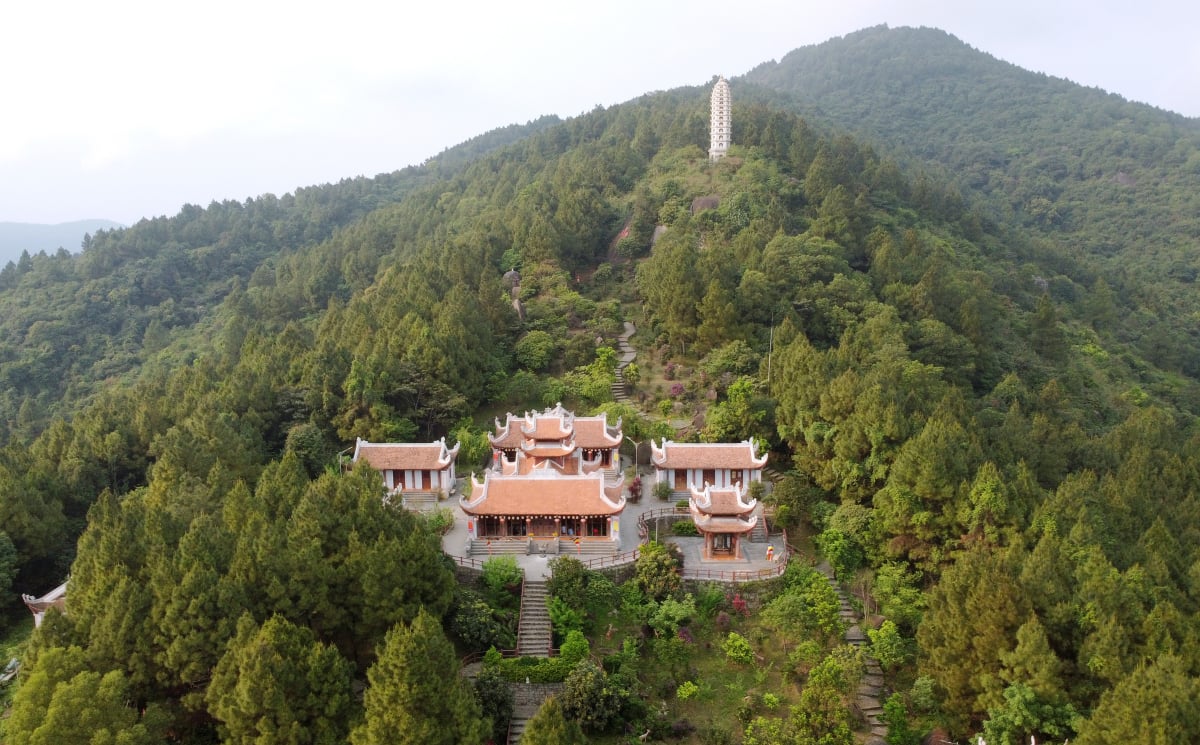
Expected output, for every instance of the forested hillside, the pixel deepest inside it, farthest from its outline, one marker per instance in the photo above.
(979, 437)
(1114, 185)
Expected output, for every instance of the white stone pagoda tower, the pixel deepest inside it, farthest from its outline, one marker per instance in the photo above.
(720, 123)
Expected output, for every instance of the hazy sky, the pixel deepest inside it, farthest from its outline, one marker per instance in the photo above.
(125, 109)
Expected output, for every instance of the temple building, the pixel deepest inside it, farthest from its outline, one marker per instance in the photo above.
(413, 470)
(56, 598)
(720, 123)
(555, 485)
(723, 518)
(688, 465)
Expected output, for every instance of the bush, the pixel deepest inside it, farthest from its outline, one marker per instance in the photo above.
(502, 577)
(686, 690)
(540, 669)
(496, 699)
(657, 571)
(477, 625)
(663, 491)
(685, 528)
(588, 698)
(737, 649)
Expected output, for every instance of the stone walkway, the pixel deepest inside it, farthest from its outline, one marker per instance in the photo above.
(870, 688)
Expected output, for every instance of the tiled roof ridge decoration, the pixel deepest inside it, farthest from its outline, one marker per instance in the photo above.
(530, 425)
(434, 455)
(609, 495)
(723, 500)
(742, 454)
(732, 514)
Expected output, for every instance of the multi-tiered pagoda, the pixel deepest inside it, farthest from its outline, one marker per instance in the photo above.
(720, 124)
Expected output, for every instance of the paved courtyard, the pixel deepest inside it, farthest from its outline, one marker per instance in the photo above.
(536, 566)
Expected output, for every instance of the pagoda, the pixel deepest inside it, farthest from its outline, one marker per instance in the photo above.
(723, 517)
(554, 485)
(720, 124)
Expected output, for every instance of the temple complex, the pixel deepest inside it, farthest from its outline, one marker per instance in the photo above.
(555, 485)
(720, 124)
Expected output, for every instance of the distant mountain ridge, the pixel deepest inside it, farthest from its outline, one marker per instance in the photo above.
(16, 237)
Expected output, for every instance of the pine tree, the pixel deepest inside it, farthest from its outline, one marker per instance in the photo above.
(415, 695)
(278, 684)
(550, 726)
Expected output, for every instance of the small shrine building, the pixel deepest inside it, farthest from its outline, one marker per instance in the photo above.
(724, 518)
(688, 465)
(426, 467)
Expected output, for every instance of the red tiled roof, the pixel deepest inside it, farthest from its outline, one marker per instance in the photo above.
(680, 455)
(713, 524)
(414, 456)
(592, 432)
(542, 496)
(724, 502)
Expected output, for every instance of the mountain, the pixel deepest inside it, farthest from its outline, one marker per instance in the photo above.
(986, 423)
(1114, 184)
(16, 237)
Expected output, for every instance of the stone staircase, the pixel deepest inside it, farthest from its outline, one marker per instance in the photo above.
(870, 688)
(759, 534)
(625, 355)
(418, 501)
(479, 547)
(527, 699)
(533, 630)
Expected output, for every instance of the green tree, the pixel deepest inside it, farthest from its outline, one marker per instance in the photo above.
(62, 701)
(1156, 703)
(718, 318)
(8, 570)
(535, 351)
(656, 572)
(551, 726)
(1045, 333)
(589, 698)
(496, 701)
(415, 694)
(973, 617)
(278, 683)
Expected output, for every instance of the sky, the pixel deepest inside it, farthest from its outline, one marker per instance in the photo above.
(125, 109)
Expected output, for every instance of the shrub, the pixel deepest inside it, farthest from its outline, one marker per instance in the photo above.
(657, 571)
(670, 614)
(496, 699)
(686, 690)
(737, 649)
(663, 491)
(588, 698)
(477, 625)
(684, 528)
(502, 576)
